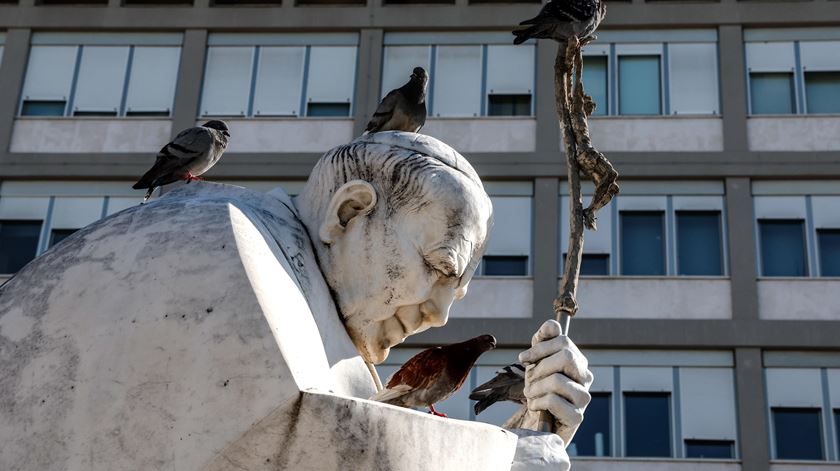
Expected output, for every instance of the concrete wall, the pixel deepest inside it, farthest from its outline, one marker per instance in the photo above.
(496, 297)
(655, 298)
(485, 134)
(75, 135)
(794, 133)
(797, 298)
(631, 464)
(804, 466)
(288, 134)
(657, 134)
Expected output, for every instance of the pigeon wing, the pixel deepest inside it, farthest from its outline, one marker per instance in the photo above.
(187, 146)
(384, 112)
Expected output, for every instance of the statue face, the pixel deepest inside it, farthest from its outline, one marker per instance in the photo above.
(396, 275)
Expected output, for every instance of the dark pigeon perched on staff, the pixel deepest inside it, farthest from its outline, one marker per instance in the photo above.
(561, 20)
(434, 374)
(404, 108)
(507, 385)
(190, 154)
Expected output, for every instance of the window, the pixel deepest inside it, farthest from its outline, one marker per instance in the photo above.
(822, 90)
(466, 79)
(269, 80)
(595, 82)
(642, 243)
(828, 241)
(717, 449)
(246, 2)
(498, 265)
(593, 435)
(693, 89)
(647, 422)
(837, 426)
(772, 93)
(639, 90)
(699, 243)
(18, 244)
(798, 434)
(783, 247)
(57, 235)
(593, 264)
(109, 80)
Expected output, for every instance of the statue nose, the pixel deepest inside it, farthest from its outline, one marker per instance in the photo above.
(436, 309)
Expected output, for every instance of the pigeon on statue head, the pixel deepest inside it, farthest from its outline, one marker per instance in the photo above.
(192, 152)
(434, 374)
(561, 20)
(404, 108)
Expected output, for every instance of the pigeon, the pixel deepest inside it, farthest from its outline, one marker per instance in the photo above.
(561, 20)
(507, 385)
(404, 108)
(190, 154)
(434, 374)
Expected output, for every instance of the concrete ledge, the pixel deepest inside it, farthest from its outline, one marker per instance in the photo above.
(85, 135)
(794, 133)
(288, 134)
(496, 297)
(804, 466)
(658, 134)
(485, 134)
(637, 464)
(655, 298)
(799, 298)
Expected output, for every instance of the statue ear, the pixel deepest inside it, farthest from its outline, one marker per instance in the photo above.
(354, 198)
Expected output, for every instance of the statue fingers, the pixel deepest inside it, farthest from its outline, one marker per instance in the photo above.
(559, 385)
(567, 361)
(563, 411)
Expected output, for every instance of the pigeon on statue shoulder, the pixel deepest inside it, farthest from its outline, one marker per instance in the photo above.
(563, 19)
(507, 385)
(404, 108)
(192, 152)
(434, 374)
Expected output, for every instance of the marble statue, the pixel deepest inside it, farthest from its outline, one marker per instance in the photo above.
(219, 328)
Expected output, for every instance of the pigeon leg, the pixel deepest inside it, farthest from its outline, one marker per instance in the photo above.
(433, 411)
(190, 177)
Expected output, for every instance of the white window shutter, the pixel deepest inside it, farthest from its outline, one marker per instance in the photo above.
(510, 69)
(49, 73)
(332, 74)
(154, 74)
(693, 78)
(457, 81)
(399, 62)
(101, 78)
(279, 81)
(227, 81)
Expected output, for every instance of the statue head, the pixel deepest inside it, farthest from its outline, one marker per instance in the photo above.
(399, 222)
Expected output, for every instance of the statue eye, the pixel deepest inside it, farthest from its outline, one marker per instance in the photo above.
(442, 262)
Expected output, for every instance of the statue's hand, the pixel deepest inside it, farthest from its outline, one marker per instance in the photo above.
(557, 380)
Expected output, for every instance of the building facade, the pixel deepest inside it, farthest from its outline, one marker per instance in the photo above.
(709, 309)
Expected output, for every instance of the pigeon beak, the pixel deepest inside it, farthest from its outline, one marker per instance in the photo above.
(227, 134)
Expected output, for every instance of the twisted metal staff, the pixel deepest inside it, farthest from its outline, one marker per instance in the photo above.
(573, 108)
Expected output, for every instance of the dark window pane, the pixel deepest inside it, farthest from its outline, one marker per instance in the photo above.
(157, 2)
(593, 264)
(822, 92)
(509, 105)
(43, 108)
(647, 422)
(783, 247)
(328, 109)
(698, 243)
(829, 245)
(642, 243)
(593, 436)
(837, 426)
(18, 244)
(57, 235)
(95, 113)
(639, 92)
(246, 2)
(72, 2)
(721, 449)
(496, 265)
(772, 93)
(798, 433)
(146, 114)
(595, 81)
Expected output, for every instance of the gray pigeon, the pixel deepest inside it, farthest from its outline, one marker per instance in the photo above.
(404, 108)
(190, 154)
(507, 385)
(561, 20)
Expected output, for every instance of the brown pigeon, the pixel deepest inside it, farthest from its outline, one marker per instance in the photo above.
(404, 108)
(507, 385)
(434, 374)
(190, 154)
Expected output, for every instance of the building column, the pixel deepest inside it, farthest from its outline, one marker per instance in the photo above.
(733, 90)
(545, 245)
(12, 71)
(190, 79)
(753, 435)
(368, 78)
(548, 128)
(742, 249)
